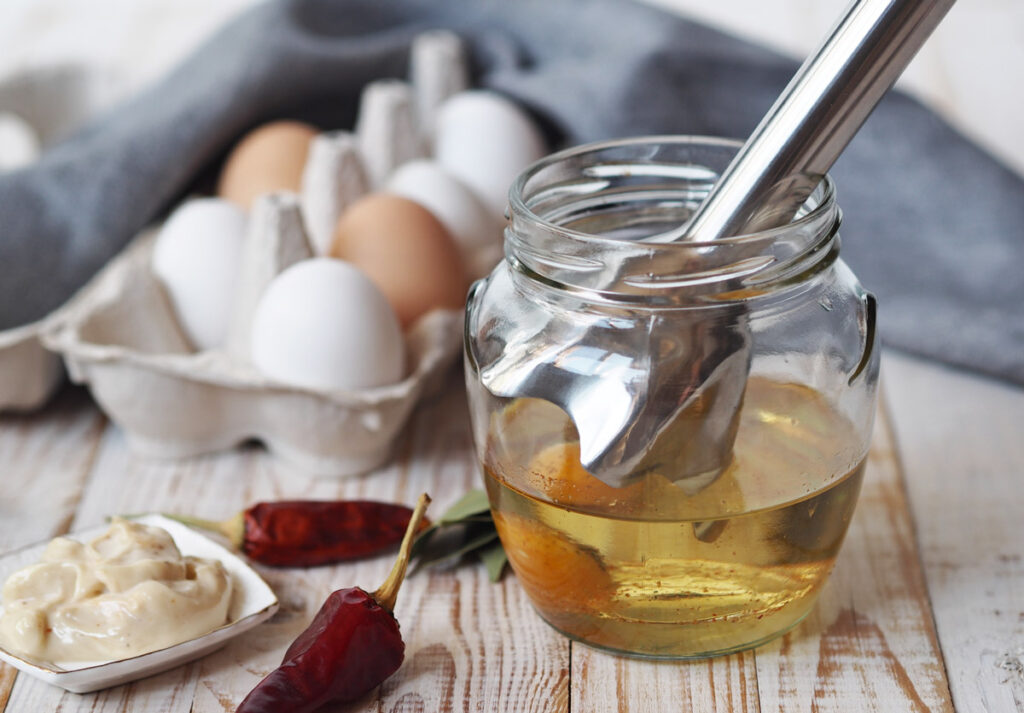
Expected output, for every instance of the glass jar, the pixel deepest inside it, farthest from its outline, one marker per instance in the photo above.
(657, 563)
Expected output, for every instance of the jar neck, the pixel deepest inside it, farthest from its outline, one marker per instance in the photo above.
(581, 221)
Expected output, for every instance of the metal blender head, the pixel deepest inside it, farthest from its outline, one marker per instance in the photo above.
(667, 398)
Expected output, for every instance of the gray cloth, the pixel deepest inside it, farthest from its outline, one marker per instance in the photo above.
(933, 224)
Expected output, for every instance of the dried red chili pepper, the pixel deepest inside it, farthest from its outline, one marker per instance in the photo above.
(352, 645)
(306, 533)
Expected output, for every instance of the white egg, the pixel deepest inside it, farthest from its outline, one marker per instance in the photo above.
(197, 258)
(19, 143)
(474, 228)
(322, 324)
(485, 141)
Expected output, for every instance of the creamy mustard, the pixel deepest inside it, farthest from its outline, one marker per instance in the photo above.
(126, 593)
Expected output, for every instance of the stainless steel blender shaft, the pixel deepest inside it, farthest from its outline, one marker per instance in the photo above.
(673, 408)
(815, 117)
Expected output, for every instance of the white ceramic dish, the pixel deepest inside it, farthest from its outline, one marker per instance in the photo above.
(253, 602)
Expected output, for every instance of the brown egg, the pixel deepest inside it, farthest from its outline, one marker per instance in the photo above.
(269, 158)
(405, 251)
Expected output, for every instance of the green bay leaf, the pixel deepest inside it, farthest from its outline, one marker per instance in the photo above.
(471, 504)
(494, 558)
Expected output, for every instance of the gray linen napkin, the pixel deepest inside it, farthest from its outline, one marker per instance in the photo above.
(933, 224)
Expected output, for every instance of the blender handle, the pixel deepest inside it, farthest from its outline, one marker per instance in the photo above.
(810, 124)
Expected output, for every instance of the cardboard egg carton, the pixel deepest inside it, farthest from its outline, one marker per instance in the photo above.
(53, 101)
(121, 337)
(29, 374)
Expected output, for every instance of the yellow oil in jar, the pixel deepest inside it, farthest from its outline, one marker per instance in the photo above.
(648, 569)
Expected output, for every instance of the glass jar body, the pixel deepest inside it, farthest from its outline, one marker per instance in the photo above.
(657, 564)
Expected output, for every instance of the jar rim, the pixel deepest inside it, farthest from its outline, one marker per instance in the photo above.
(635, 188)
(517, 204)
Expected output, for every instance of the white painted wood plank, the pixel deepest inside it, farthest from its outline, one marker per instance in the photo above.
(470, 644)
(7, 676)
(980, 78)
(962, 443)
(605, 683)
(44, 460)
(119, 484)
(869, 644)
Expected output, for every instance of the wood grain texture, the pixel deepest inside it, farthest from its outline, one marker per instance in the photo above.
(474, 645)
(470, 644)
(962, 444)
(121, 483)
(45, 460)
(7, 676)
(958, 437)
(869, 644)
(603, 682)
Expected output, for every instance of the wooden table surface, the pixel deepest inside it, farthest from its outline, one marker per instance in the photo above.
(925, 608)
(924, 611)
